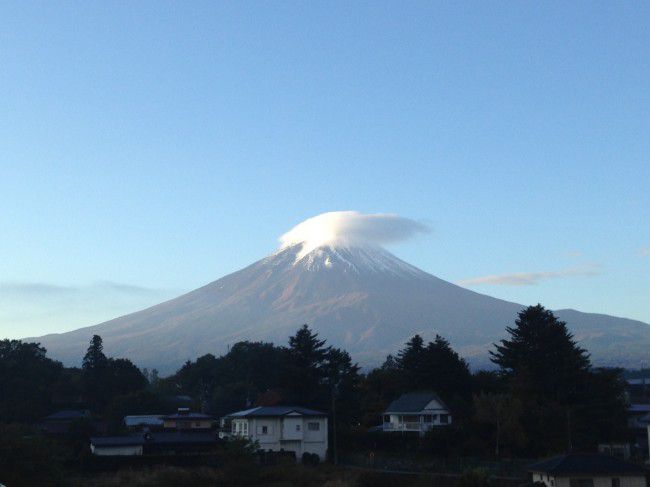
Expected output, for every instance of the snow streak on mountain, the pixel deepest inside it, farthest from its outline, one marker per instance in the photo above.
(332, 273)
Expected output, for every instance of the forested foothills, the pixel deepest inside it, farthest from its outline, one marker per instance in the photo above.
(542, 397)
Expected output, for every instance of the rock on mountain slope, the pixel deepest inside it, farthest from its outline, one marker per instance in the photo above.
(359, 297)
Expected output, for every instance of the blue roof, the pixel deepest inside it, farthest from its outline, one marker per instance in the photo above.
(276, 411)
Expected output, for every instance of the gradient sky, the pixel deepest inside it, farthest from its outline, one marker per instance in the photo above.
(147, 148)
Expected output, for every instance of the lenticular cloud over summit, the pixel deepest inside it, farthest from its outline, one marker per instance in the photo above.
(351, 228)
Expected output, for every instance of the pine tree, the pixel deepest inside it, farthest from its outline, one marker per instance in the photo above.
(543, 351)
(549, 374)
(95, 358)
(305, 369)
(95, 374)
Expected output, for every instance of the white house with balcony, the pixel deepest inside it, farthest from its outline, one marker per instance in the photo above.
(416, 412)
(277, 428)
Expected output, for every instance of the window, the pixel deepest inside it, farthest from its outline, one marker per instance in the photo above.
(444, 418)
(616, 482)
(197, 424)
(387, 419)
(586, 482)
(297, 427)
(265, 430)
(316, 427)
(428, 418)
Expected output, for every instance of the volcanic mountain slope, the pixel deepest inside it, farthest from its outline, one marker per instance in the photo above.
(361, 298)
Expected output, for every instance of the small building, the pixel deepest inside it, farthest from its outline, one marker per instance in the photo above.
(282, 428)
(117, 445)
(144, 421)
(186, 420)
(416, 412)
(587, 470)
(161, 443)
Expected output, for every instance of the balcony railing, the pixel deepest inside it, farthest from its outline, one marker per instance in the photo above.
(408, 426)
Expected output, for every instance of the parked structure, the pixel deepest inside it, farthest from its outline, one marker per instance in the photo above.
(587, 470)
(416, 412)
(278, 428)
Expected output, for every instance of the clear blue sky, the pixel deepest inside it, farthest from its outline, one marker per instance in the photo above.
(147, 148)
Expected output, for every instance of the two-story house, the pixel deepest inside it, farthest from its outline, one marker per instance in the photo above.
(416, 412)
(287, 428)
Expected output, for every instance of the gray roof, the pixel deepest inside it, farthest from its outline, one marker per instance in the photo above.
(275, 411)
(413, 402)
(144, 419)
(188, 416)
(586, 463)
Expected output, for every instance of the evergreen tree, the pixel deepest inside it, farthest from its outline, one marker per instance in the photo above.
(551, 376)
(95, 358)
(544, 355)
(410, 360)
(434, 366)
(305, 368)
(444, 371)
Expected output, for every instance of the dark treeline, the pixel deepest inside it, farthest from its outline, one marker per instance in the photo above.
(544, 396)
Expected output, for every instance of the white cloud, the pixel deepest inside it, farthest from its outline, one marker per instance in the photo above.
(351, 227)
(644, 252)
(44, 290)
(528, 278)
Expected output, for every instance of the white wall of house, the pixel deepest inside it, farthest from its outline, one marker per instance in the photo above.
(116, 451)
(295, 433)
(598, 481)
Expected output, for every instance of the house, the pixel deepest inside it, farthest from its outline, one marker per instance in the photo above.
(161, 443)
(282, 428)
(186, 420)
(416, 412)
(587, 470)
(144, 421)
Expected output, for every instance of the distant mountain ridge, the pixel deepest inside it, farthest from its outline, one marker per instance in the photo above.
(359, 297)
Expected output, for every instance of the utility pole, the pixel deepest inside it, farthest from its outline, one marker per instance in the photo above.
(568, 429)
(335, 456)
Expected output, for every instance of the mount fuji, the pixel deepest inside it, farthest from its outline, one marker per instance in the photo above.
(354, 293)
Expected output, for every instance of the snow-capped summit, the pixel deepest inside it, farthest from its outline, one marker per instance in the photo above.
(358, 259)
(332, 273)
